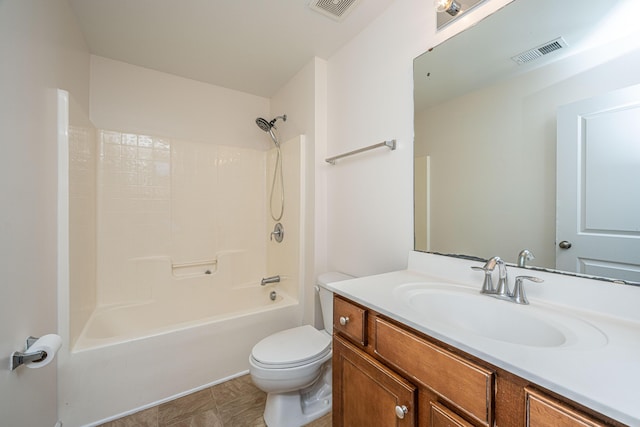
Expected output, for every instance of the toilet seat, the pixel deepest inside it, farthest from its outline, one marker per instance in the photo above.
(291, 348)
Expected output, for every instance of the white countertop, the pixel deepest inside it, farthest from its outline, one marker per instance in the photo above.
(605, 377)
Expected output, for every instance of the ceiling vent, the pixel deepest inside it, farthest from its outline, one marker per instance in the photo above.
(540, 51)
(334, 9)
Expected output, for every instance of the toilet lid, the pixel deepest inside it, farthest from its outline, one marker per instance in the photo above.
(292, 347)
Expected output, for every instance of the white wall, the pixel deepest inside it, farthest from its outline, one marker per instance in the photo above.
(370, 99)
(303, 99)
(41, 49)
(134, 99)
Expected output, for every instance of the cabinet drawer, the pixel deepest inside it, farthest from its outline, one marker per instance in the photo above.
(544, 411)
(350, 320)
(443, 417)
(465, 385)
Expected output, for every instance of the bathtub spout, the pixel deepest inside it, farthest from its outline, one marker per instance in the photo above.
(272, 279)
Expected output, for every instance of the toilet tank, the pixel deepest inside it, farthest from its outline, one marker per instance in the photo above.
(326, 296)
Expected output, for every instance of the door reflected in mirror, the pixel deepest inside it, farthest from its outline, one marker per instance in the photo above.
(486, 134)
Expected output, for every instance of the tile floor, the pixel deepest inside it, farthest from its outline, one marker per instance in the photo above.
(235, 403)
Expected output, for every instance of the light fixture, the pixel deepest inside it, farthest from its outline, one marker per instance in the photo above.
(449, 6)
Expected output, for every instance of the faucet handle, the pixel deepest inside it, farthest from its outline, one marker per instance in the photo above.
(519, 296)
(487, 285)
(278, 232)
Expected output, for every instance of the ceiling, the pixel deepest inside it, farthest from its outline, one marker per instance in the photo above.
(473, 59)
(254, 46)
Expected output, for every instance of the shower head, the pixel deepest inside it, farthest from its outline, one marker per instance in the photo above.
(269, 126)
(266, 126)
(263, 124)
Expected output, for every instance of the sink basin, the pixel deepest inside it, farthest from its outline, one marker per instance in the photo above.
(447, 306)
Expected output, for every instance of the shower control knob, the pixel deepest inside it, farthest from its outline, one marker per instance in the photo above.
(278, 232)
(344, 320)
(401, 411)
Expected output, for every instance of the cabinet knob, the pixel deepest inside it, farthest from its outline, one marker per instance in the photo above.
(344, 320)
(401, 411)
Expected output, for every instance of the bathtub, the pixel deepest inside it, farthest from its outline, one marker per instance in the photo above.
(196, 303)
(134, 356)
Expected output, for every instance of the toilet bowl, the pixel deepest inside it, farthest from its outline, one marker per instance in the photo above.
(294, 367)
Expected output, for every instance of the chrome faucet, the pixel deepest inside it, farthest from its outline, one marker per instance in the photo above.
(487, 286)
(524, 256)
(502, 291)
(271, 279)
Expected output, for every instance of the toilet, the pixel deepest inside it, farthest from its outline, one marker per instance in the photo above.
(294, 366)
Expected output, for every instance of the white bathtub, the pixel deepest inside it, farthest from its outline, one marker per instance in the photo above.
(193, 304)
(136, 356)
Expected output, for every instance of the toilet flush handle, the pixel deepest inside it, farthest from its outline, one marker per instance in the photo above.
(344, 320)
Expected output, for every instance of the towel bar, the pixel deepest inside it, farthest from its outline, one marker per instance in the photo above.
(390, 144)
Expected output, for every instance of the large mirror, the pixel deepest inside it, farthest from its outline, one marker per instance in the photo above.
(491, 104)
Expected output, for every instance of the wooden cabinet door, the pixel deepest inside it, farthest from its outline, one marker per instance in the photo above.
(543, 411)
(468, 386)
(366, 393)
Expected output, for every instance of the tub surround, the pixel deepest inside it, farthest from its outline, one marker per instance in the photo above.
(176, 304)
(601, 376)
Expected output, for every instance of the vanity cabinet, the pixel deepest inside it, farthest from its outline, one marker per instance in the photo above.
(387, 374)
(384, 375)
(543, 411)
